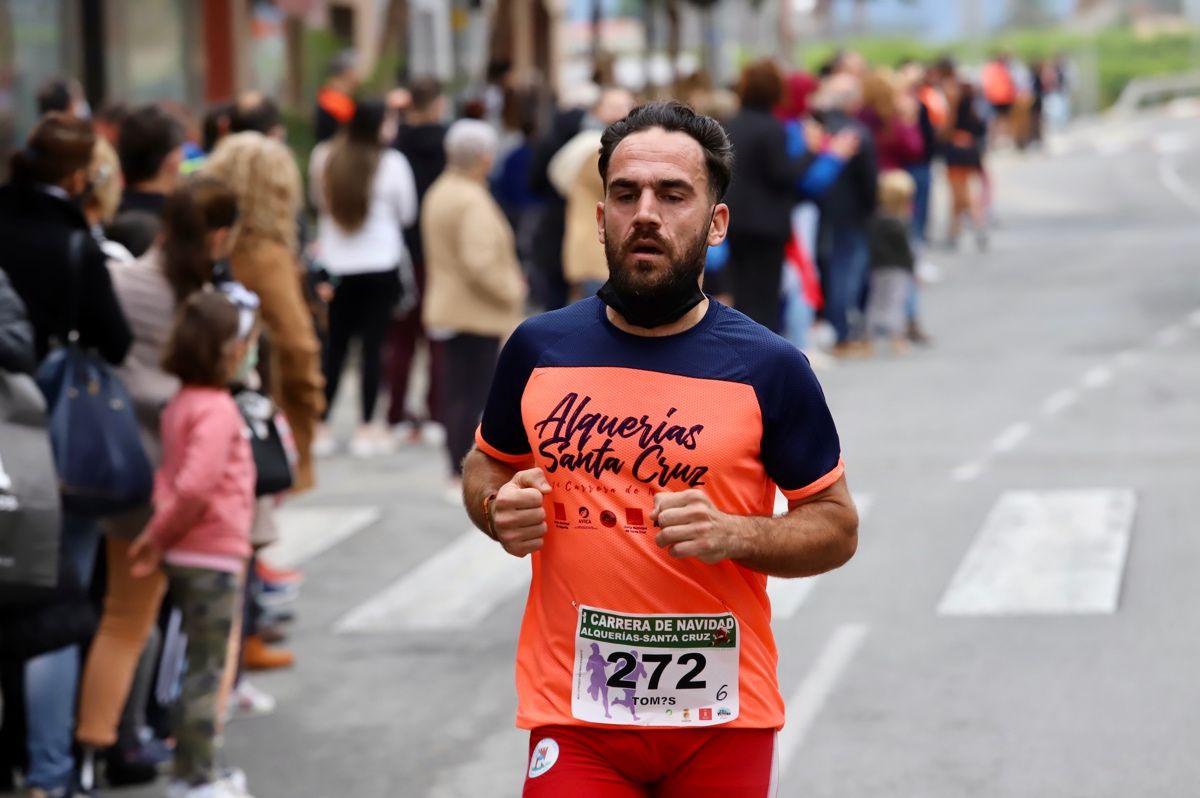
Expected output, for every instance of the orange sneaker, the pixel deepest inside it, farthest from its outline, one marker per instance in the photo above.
(271, 573)
(258, 656)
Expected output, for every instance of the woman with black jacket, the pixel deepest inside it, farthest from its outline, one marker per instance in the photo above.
(761, 196)
(54, 265)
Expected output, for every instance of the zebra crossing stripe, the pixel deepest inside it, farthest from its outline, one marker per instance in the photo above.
(306, 532)
(788, 595)
(1046, 553)
(456, 588)
(806, 703)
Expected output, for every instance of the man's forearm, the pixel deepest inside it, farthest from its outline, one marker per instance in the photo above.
(482, 476)
(815, 537)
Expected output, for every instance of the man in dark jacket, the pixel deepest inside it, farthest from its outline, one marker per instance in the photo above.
(846, 209)
(151, 151)
(761, 196)
(335, 100)
(547, 284)
(422, 140)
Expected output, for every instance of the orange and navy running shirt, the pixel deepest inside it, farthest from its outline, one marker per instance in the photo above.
(616, 631)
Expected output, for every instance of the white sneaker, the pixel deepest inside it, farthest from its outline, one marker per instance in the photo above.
(928, 272)
(371, 440)
(221, 788)
(248, 701)
(324, 444)
(236, 779)
(433, 434)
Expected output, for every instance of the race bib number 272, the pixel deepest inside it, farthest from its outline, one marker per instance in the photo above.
(655, 670)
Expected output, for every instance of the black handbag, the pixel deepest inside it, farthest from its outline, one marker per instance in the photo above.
(265, 429)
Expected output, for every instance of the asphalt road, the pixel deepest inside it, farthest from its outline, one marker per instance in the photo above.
(1020, 619)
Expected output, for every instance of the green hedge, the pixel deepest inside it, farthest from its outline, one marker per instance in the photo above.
(1121, 55)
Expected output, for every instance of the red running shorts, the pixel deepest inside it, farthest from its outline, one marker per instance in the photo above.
(586, 762)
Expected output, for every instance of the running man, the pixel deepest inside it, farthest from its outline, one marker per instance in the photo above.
(632, 443)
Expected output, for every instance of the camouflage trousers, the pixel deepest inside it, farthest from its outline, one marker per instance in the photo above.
(209, 602)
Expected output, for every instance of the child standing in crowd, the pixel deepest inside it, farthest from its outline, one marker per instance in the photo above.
(204, 505)
(892, 259)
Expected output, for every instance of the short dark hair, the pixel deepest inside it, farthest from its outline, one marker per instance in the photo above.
(424, 90)
(148, 135)
(675, 117)
(54, 95)
(256, 112)
(205, 324)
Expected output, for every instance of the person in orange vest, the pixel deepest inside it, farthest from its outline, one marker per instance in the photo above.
(1000, 91)
(335, 100)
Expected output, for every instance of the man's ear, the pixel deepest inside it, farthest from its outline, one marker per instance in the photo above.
(719, 225)
(600, 222)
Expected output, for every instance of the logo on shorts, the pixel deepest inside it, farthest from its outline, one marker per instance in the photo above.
(608, 518)
(545, 754)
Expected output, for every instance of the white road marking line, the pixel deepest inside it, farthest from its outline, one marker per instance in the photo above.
(788, 595)
(306, 532)
(454, 589)
(968, 472)
(1168, 175)
(1046, 553)
(1172, 143)
(1097, 377)
(1169, 336)
(1058, 401)
(1012, 436)
(806, 703)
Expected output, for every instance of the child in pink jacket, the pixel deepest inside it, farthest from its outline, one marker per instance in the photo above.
(200, 532)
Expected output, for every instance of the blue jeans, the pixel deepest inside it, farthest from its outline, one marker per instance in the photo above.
(797, 313)
(922, 175)
(849, 261)
(52, 679)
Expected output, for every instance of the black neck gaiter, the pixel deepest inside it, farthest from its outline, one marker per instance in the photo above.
(663, 307)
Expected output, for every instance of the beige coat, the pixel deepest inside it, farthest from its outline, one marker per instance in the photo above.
(474, 281)
(583, 254)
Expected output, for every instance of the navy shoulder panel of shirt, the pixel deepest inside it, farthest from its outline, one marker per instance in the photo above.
(800, 442)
